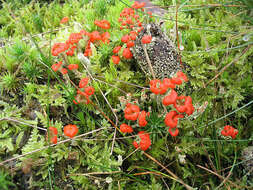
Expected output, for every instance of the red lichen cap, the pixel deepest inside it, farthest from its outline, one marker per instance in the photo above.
(73, 66)
(64, 20)
(173, 131)
(59, 48)
(83, 82)
(145, 141)
(116, 49)
(171, 119)
(146, 39)
(95, 36)
(170, 99)
(64, 71)
(105, 37)
(125, 38)
(55, 67)
(124, 128)
(115, 59)
(127, 53)
(182, 76)
(138, 5)
(102, 24)
(89, 90)
(229, 131)
(74, 38)
(142, 119)
(70, 130)
(53, 130)
(131, 112)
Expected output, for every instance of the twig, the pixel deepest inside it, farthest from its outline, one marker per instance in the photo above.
(224, 68)
(111, 86)
(95, 173)
(149, 172)
(14, 120)
(170, 172)
(130, 154)
(218, 175)
(148, 60)
(113, 141)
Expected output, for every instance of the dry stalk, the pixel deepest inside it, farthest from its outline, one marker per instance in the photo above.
(218, 175)
(174, 176)
(148, 60)
(224, 68)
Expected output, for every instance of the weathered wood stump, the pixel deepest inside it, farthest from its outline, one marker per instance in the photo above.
(162, 53)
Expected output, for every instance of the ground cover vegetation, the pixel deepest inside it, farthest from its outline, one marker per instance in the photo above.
(78, 112)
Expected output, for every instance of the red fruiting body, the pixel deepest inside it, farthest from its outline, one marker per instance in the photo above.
(170, 99)
(105, 37)
(95, 36)
(52, 135)
(115, 59)
(74, 38)
(142, 119)
(64, 71)
(168, 83)
(70, 130)
(55, 67)
(125, 38)
(82, 94)
(146, 39)
(102, 24)
(59, 48)
(72, 66)
(176, 80)
(83, 82)
(171, 119)
(229, 131)
(53, 130)
(150, 14)
(129, 20)
(133, 36)
(130, 44)
(131, 112)
(157, 87)
(53, 139)
(182, 76)
(145, 141)
(127, 53)
(89, 90)
(136, 17)
(186, 107)
(138, 5)
(175, 133)
(116, 49)
(64, 20)
(124, 128)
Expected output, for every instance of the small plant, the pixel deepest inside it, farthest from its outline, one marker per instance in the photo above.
(8, 82)
(5, 182)
(31, 71)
